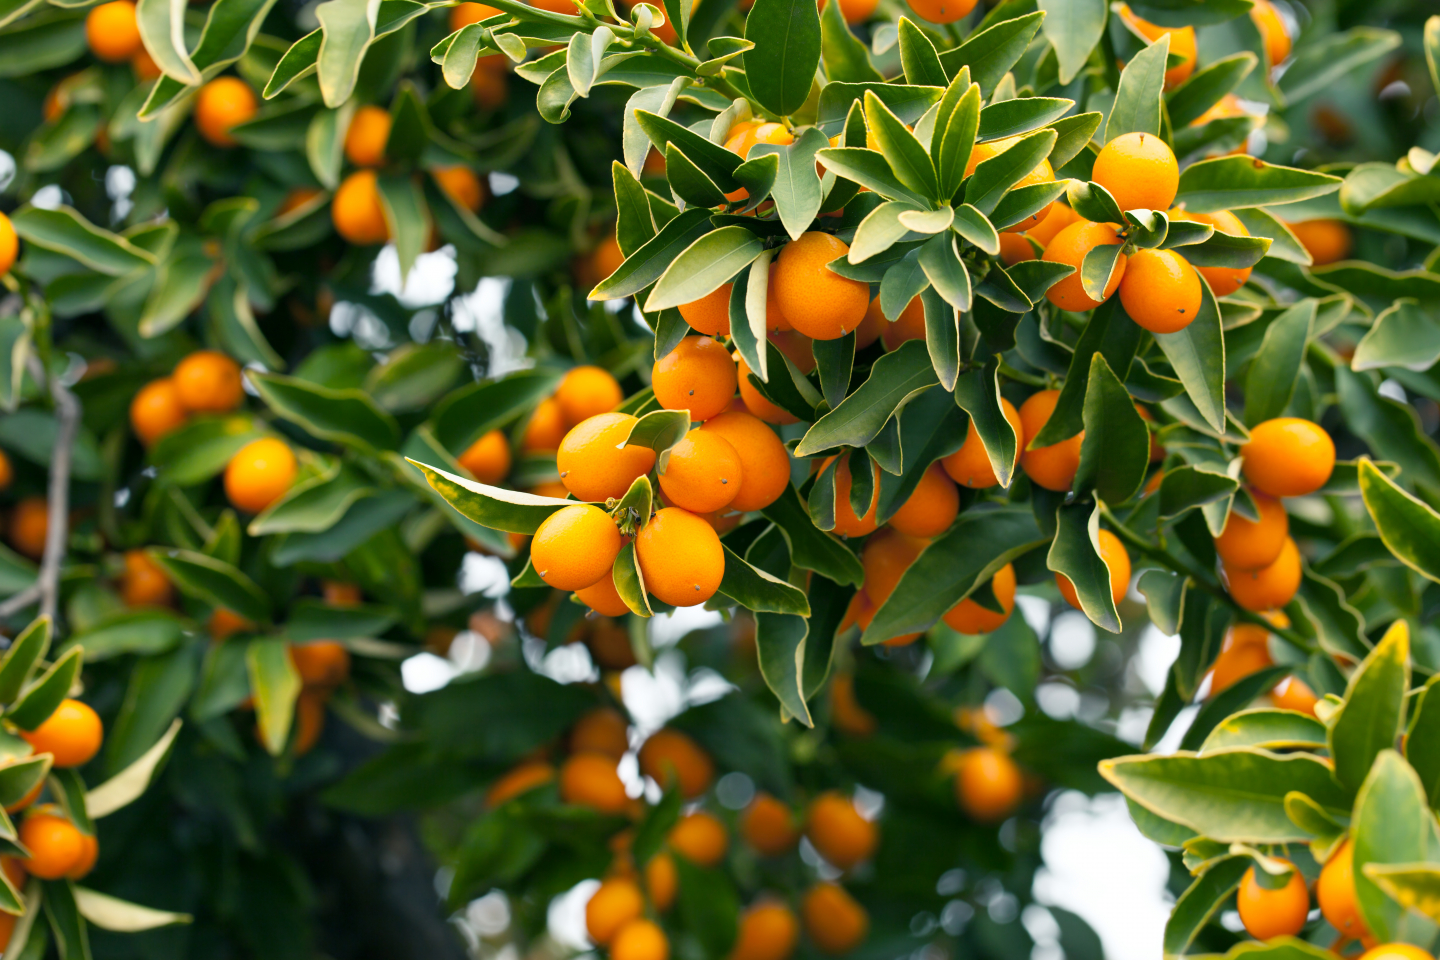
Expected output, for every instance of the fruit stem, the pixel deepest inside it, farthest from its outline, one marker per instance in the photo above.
(1175, 564)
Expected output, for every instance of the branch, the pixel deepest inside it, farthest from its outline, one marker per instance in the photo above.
(19, 601)
(67, 417)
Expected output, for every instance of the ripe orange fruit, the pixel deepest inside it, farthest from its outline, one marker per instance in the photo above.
(768, 825)
(1272, 31)
(321, 663)
(607, 257)
(1182, 44)
(855, 11)
(357, 212)
(545, 428)
(1268, 588)
(56, 846)
(1396, 951)
(610, 647)
(1270, 913)
(698, 375)
(929, 511)
(616, 903)
(755, 402)
(259, 474)
(366, 136)
(9, 244)
(144, 584)
(461, 184)
(156, 410)
(1139, 170)
(1288, 457)
(910, 325)
(296, 198)
(764, 463)
(90, 852)
(640, 939)
(941, 11)
(591, 464)
(575, 546)
(1327, 241)
(585, 392)
(669, 754)
(1160, 290)
(1052, 467)
(886, 557)
(7, 471)
(590, 780)
(309, 720)
(1058, 218)
(1070, 246)
(223, 103)
(72, 734)
(710, 314)
(703, 474)
(1244, 651)
(467, 13)
(680, 557)
(820, 304)
(988, 784)
(1043, 173)
(112, 31)
(224, 624)
(836, 829)
(661, 881)
(1014, 248)
(846, 523)
(1292, 693)
(833, 920)
(208, 381)
(1335, 892)
(338, 593)
(768, 931)
(1112, 551)
(518, 780)
(1223, 280)
(845, 711)
(29, 524)
(700, 838)
(144, 66)
(602, 597)
(969, 617)
(602, 730)
(744, 136)
(1244, 545)
(970, 465)
(488, 458)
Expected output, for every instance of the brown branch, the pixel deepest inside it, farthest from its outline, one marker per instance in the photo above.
(57, 530)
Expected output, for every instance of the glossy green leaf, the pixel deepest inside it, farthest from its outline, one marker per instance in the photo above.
(781, 67)
(494, 507)
(214, 582)
(894, 380)
(1139, 100)
(946, 272)
(1267, 729)
(28, 648)
(711, 260)
(908, 160)
(1197, 906)
(1318, 64)
(956, 128)
(797, 191)
(1270, 383)
(1197, 354)
(846, 58)
(276, 686)
(1206, 87)
(993, 177)
(1075, 553)
(977, 392)
(1392, 824)
(346, 416)
(758, 591)
(469, 413)
(1116, 450)
(65, 231)
(1223, 183)
(646, 265)
(990, 53)
(1373, 712)
(1073, 28)
(1409, 527)
(918, 58)
(38, 700)
(1405, 334)
(630, 582)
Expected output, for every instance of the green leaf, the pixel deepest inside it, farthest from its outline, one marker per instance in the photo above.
(869, 169)
(780, 643)
(1223, 183)
(1222, 250)
(1233, 698)
(363, 519)
(880, 230)
(1197, 906)
(708, 903)
(345, 416)
(946, 272)
(630, 582)
(1116, 450)
(348, 28)
(1189, 486)
(29, 647)
(144, 632)
(781, 67)
(994, 177)
(1109, 332)
(1075, 553)
(1093, 202)
(1097, 268)
(895, 379)
(1422, 740)
(1319, 63)
(810, 547)
(846, 59)
(469, 413)
(1233, 796)
(214, 582)
(121, 916)
(1403, 335)
(1074, 134)
(499, 509)
(704, 265)
(1019, 205)
(1073, 28)
(954, 566)
(1139, 100)
(974, 227)
(990, 53)
(907, 102)
(1409, 527)
(130, 783)
(1391, 429)
(71, 936)
(796, 190)
(158, 689)
(406, 216)
(977, 392)
(1392, 824)
(19, 777)
(230, 27)
(688, 181)
(200, 449)
(1415, 886)
(918, 58)
(63, 230)
(1270, 383)
(756, 590)
(1207, 87)
(1373, 712)
(956, 127)
(39, 699)
(276, 686)
(1267, 729)
(902, 150)
(1197, 354)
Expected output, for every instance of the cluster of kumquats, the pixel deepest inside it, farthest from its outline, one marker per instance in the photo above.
(621, 913)
(1276, 905)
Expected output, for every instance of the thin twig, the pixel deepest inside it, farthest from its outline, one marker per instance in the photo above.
(67, 419)
(19, 601)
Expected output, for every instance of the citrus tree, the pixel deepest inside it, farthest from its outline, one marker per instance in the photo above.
(850, 324)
